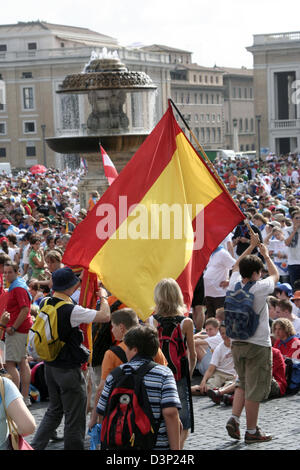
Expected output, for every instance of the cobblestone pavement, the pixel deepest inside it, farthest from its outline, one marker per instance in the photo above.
(280, 417)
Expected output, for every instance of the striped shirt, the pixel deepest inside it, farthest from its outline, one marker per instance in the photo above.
(162, 393)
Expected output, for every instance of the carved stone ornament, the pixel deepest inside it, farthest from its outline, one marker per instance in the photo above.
(105, 74)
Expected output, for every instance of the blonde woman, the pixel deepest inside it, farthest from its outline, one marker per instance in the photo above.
(171, 321)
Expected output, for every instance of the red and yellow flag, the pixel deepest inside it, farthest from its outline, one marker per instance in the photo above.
(88, 299)
(163, 217)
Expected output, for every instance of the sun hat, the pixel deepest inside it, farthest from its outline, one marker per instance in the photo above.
(296, 296)
(64, 279)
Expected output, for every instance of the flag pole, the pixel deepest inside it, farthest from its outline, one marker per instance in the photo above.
(209, 163)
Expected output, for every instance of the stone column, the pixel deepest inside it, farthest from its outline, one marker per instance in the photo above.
(236, 146)
(291, 90)
(94, 180)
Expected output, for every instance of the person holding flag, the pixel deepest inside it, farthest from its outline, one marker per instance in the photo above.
(166, 173)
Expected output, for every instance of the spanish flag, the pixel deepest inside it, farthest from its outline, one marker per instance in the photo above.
(162, 217)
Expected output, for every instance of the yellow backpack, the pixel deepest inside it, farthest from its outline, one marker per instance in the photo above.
(43, 342)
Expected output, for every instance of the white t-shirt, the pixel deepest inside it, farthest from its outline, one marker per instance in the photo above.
(217, 271)
(293, 252)
(261, 290)
(25, 257)
(223, 360)
(81, 315)
(278, 246)
(214, 341)
(296, 323)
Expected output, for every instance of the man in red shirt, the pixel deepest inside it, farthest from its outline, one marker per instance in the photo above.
(20, 322)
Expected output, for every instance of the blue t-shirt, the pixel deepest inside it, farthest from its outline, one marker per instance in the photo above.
(11, 394)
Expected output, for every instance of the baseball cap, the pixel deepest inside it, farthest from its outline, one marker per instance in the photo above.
(5, 221)
(285, 287)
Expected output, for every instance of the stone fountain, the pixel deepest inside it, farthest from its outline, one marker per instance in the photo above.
(117, 111)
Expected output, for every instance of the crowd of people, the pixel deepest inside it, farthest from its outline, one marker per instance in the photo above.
(38, 214)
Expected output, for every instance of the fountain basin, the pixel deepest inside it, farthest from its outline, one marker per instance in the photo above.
(90, 144)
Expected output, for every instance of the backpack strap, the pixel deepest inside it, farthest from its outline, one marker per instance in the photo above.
(246, 287)
(119, 352)
(249, 285)
(115, 306)
(141, 371)
(145, 368)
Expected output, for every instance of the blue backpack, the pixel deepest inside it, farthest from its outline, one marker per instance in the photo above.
(241, 321)
(292, 375)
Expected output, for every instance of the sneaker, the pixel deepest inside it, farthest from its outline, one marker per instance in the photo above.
(227, 399)
(233, 428)
(259, 436)
(214, 395)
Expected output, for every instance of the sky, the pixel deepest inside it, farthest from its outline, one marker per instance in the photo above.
(217, 32)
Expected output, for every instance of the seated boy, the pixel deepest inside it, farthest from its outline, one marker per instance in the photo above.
(206, 343)
(142, 343)
(221, 370)
(122, 321)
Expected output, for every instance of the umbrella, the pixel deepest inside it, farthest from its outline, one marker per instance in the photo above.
(38, 169)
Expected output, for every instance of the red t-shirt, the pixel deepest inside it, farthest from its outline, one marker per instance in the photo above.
(289, 348)
(279, 370)
(1, 284)
(19, 298)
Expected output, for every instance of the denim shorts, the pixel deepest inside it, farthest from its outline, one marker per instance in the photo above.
(204, 364)
(185, 412)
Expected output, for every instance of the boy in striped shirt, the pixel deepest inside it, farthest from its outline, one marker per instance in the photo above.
(141, 346)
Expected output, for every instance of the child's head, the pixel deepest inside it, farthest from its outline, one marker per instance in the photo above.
(286, 308)
(168, 298)
(284, 291)
(220, 314)
(225, 338)
(34, 310)
(142, 340)
(251, 267)
(123, 320)
(33, 286)
(283, 328)
(273, 304)
(212, 326)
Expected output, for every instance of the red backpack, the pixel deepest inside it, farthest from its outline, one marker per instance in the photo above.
(173, 345)
(128, 421)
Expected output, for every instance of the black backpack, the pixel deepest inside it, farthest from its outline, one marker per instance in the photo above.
(128, 421)
(119, 352)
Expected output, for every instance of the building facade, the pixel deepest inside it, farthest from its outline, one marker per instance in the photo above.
(35, 57)
(276, 59)
(239, 109)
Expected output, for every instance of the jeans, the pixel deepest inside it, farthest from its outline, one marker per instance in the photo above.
(67, 396)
